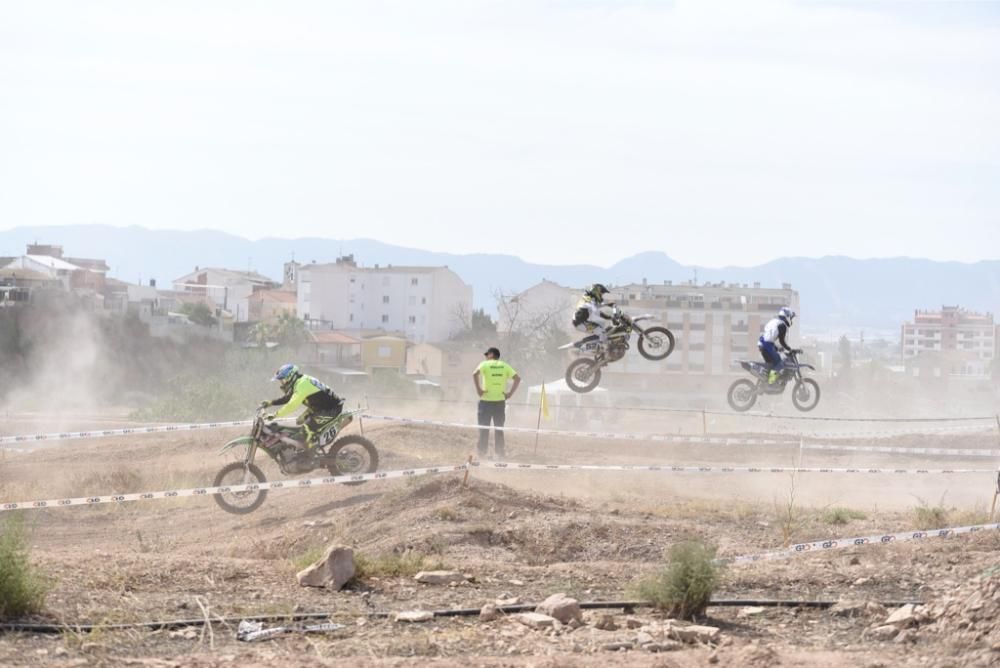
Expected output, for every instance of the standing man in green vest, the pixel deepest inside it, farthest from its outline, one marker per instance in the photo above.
(490, 380)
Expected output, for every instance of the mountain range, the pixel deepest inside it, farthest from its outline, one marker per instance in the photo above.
(837, 294)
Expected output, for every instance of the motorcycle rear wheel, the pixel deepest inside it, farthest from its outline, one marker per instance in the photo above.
(742, 395)
(350, 455)
(238, 473)
(804, 390)
(656, 343)
(583, 375)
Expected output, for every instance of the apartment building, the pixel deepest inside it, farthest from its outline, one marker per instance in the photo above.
(949, 342)
(424, 303)
(228, 290)
(715, 324)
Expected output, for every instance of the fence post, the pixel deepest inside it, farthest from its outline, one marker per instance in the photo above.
(468, 468)
(704, 423)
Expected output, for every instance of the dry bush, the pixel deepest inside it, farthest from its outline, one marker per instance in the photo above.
(842, 515)
(684, 587)
(393, 565)
(22, 588)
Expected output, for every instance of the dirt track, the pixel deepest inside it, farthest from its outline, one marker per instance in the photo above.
(525, 534)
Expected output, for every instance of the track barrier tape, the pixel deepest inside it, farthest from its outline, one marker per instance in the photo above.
(126, 431)
(699, 411)
(513, 466)
(158, 429)
(304, 483)
(702, 440)
(841, 543)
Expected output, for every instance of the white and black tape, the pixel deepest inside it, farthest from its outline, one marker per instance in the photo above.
(511, 466)
(842, 543)
(304, 483)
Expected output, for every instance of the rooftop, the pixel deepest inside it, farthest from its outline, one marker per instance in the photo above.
(327, 336)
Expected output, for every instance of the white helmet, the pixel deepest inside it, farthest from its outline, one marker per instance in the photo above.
(787, 315)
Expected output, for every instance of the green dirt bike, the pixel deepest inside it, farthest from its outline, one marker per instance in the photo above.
(347, 455)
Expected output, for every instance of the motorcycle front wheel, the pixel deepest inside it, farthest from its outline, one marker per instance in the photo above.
(583, 375)
(805, 394)
(351, 455)
(656, 343)
(238, 473)
(742, 395)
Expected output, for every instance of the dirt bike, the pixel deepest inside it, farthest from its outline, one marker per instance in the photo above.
(584, 374)
(805, 391)
(346, 455)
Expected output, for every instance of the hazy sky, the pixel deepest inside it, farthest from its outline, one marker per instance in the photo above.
(560, 130)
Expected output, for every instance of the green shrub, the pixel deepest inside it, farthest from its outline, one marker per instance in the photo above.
(842, 515)
(683, 588)
(931, 517)
(391, 565)
(22, 589)
(308, 558)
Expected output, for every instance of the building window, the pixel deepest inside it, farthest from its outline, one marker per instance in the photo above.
(423, 300)
(351, 319)
(385, 318)
(385, 299)
(413, 319)
(414, 281)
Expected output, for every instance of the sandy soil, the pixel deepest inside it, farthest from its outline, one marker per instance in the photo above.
(523, 534)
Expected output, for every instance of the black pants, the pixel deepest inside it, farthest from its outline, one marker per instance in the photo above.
(495, 411)
(315, 421)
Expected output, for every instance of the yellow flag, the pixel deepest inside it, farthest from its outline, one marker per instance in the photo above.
(544, 405)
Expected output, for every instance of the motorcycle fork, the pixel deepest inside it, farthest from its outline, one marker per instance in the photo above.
(251, 454)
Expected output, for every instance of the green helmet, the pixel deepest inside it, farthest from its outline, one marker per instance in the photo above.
(597, 291)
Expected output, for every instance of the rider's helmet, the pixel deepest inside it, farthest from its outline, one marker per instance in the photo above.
(787, 315)
(597, 292)
(287, 375)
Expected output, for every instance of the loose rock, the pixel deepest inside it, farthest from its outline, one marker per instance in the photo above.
(334, 570)
(695, 633)
(414, 616)
(561, 607)
(439, 577)
(489, 613)
(536, 620)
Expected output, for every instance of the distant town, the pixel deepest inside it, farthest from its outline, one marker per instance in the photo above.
(359, 320)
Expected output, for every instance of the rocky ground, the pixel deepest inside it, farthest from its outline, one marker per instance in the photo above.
(513, 536)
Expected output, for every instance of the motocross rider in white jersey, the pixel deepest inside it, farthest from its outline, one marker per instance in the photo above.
(588, 315)
(774, 336)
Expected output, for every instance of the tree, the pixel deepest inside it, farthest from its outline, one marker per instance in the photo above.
(477, 326)
(286, 330)
(199, 314)
(844, 355)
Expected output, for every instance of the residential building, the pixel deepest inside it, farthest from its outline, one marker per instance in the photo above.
(73, 273)
(714, 325)
(269, 305)
(449, 365)
(337, 349)
(425, 303)
(228, 289)
(951, 342)
(18, 285)
(546, 302)
(383, 353)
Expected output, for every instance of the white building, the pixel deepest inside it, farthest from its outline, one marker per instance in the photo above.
(714, 324)
(228, 289)
(425, 303)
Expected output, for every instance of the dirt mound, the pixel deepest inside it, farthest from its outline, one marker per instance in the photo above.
(970, 616)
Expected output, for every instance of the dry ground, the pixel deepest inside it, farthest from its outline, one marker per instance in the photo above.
(523, 534)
